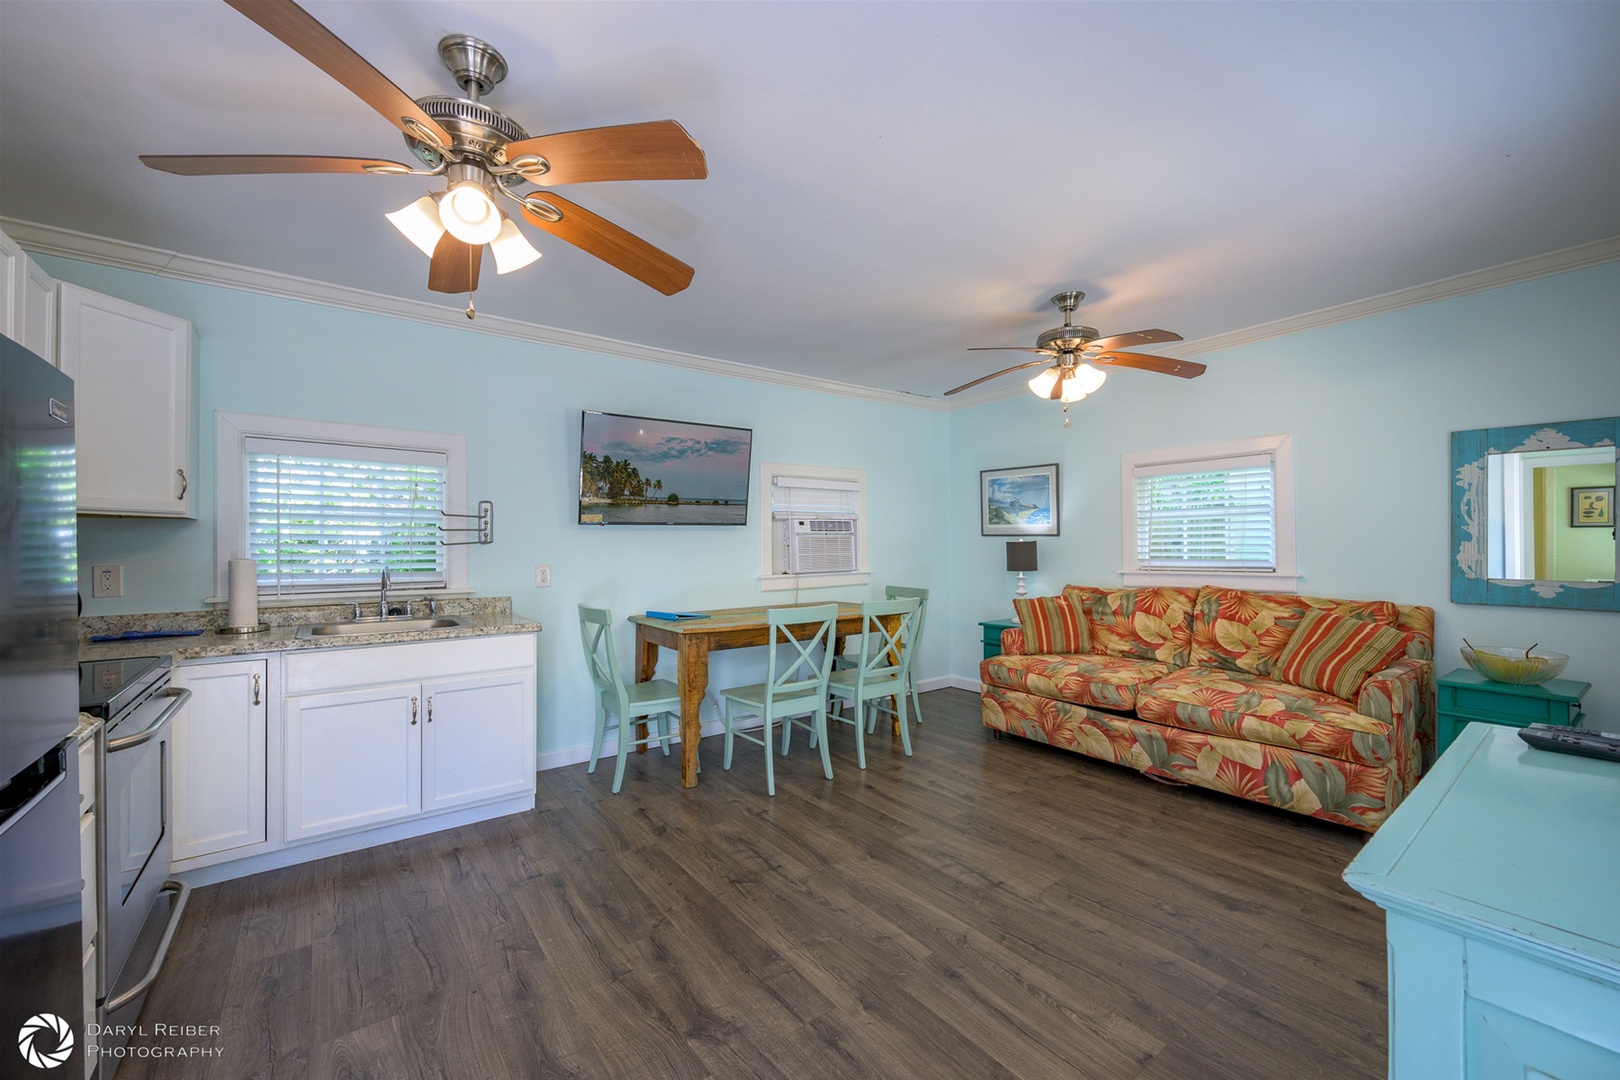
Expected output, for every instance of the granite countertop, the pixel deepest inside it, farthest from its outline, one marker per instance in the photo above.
(486, 616)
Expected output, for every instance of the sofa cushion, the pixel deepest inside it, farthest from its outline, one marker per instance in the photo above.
(1243, 631)
(1246, 706)
(1102, 682)
(1138, 624)
(1336, 654)
(1051, 625)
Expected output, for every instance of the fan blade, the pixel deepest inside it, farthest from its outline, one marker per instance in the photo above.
(455, 266)
(243, 164)
(298, 30)
(1130, 341)
(996, 375)
(1185, 369)
(625, 251)
(1012, 348)
(657, 150)
(1057, 387)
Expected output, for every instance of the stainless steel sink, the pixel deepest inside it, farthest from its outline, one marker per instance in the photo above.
(373, 626)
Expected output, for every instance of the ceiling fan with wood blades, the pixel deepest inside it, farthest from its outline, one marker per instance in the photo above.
(482, 153)
(1069, 353)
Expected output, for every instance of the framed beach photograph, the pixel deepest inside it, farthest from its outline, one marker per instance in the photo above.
(1019, 502)
(1591, 508)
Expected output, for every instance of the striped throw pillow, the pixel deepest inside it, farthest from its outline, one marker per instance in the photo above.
(1051, 625)
(1335, 654)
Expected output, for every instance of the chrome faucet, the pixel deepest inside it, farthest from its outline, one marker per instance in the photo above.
(383, 606)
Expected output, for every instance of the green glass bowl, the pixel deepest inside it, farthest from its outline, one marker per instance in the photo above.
(1502, 664)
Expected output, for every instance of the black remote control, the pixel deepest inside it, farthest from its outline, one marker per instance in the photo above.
(1562, 740)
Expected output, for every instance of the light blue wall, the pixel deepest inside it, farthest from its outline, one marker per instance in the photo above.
(1371, 405)
(519, 405)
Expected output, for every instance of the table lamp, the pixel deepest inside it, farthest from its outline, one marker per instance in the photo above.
(1020, 559)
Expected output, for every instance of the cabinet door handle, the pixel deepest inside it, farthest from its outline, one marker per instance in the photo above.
(184, 483)
(413, 712)
(430, 709)
(255, 689)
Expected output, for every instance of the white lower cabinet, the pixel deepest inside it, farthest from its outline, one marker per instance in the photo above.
(383, 734)
(219, 757)
(353, 759)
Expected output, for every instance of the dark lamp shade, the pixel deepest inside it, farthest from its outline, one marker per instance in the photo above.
(1021, 555)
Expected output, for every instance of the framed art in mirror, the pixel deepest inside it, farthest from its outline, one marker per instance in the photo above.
(1528, 512)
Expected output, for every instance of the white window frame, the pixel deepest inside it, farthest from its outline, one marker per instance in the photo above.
(1210, 457)
(769, 582)
(232, 429)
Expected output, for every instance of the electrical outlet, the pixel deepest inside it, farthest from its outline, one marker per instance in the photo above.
(542, 575)
(106, 581)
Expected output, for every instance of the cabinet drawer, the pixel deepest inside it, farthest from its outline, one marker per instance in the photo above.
(87, 773)
(1480, 703)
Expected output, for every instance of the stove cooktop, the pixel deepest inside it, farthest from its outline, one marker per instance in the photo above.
(106, 687)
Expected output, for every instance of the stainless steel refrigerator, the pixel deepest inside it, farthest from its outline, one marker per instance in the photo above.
(41, 988)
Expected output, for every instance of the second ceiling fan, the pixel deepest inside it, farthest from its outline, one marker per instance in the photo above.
(482, 153)
(1069, 353)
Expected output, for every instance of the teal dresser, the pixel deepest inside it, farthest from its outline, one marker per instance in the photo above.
(992, 635)
(1499, 876)
(1465, 696)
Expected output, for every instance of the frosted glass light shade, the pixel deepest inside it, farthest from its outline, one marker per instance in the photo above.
(420, 223)
(511, 248)
(1088, 378)
(1071, 392)
(1041, 385)
(470, 214)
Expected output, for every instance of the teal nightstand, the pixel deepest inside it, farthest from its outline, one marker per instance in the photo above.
(992, 635)
(1466, 696)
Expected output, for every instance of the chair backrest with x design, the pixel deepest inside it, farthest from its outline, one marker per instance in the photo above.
(596, 634)
(885, 654)
(795, 667)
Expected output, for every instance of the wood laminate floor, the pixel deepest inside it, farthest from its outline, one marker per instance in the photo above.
(987, 908)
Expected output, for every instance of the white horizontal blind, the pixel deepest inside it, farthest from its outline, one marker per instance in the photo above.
(324, 516)
(1207, 515)
(800, 496)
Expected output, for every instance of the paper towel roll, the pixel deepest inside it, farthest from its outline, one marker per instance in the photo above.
(244, 594)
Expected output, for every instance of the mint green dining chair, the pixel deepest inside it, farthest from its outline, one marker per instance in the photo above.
(657, 702)
(796, 668)
(880, 670)
(846, 659)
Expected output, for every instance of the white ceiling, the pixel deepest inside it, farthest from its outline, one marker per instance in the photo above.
(890, 183)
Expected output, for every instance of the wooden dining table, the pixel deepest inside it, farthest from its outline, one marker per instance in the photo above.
(693, 639)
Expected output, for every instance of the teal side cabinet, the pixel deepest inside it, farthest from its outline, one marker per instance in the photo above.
(1498, 879)
(992, 635)
(1466, 696)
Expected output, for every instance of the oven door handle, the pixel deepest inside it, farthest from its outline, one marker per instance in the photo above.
(183, 892)
(180, 694)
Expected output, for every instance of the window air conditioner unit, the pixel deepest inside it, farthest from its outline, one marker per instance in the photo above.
(821, 545)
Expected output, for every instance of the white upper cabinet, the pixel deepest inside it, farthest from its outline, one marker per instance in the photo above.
(27, 301)
(132, 373)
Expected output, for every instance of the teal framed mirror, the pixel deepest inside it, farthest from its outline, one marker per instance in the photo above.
(1533, 515)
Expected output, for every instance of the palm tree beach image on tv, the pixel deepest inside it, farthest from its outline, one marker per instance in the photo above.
(637, 470)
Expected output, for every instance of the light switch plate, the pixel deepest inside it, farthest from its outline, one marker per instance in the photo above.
(542, 575)
(106, 581)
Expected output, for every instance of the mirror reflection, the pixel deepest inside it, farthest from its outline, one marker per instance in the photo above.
(1540, 513)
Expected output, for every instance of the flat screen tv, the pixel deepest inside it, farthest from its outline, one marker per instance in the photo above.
(637, 470)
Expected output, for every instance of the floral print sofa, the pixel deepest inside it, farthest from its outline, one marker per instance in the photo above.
(1187, 685)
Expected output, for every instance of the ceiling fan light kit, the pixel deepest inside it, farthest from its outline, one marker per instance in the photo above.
(1071, 351)
(481, 152)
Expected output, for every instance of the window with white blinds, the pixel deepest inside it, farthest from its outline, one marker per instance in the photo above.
(1195, 514)
(323, 508)
(322, 517)
(1211, 519)
(800, 495)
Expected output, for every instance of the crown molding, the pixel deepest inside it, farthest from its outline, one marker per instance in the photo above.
(67, 244)
(1492, 277)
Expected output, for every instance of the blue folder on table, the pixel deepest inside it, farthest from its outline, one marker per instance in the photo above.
(675, 616)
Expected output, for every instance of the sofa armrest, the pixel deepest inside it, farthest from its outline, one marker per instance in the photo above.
(1012, 641)
(1402, 695)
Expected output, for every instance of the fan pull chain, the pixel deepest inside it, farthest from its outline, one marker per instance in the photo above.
(1065, 415)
